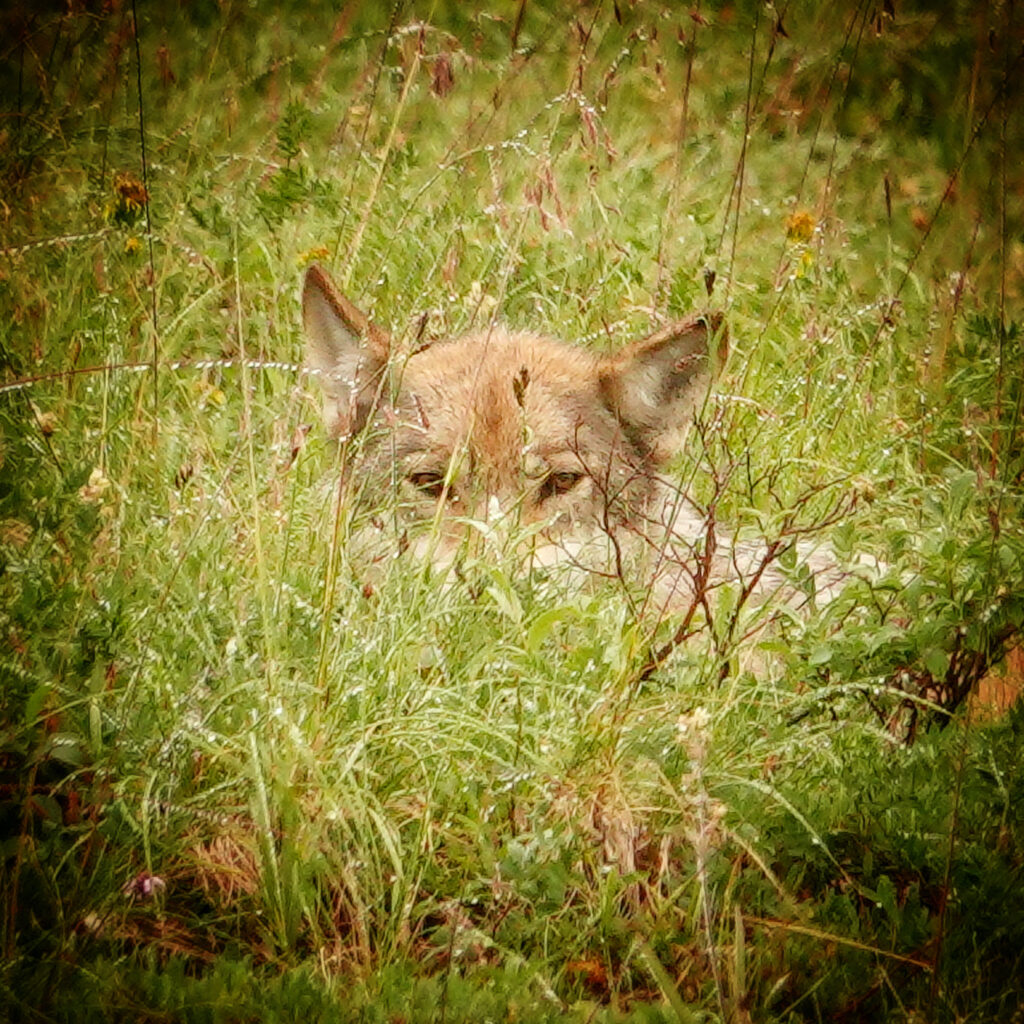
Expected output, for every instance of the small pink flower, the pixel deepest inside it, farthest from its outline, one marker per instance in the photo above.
(143, 886)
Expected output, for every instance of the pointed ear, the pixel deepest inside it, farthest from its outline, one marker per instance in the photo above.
(654, 386)
(347, 349)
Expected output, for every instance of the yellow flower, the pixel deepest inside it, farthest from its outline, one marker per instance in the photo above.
(132, 246)
(805, 263)
(318, 252)
(800, 227)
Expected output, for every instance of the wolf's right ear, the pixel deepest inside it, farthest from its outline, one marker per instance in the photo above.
(655, 385)
(347, 349)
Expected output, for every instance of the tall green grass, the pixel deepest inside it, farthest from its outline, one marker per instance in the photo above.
(246, 775)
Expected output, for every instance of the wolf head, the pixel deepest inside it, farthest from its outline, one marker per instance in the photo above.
(498, 423)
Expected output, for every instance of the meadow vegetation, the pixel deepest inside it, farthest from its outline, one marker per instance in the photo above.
(245, 775)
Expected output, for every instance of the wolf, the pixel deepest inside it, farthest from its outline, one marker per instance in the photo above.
(499, 424)
(500, 429)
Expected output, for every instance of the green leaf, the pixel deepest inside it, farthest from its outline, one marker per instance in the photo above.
(962, 489)
(885, 896)
(544, 625)
(820, 655)
(936, 661)
(35, 702)
(684, 1013)
(67, 748)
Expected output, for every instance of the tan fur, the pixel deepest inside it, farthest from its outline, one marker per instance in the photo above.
(498, 423)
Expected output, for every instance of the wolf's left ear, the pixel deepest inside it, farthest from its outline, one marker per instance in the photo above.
(347, 349)
(654, 386)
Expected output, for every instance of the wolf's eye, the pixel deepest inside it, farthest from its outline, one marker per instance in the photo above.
(431, 484)
(558, 483)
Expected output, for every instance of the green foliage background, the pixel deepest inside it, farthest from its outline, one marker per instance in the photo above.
(241, 777)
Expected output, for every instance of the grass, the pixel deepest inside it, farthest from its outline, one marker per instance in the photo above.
(244, 775)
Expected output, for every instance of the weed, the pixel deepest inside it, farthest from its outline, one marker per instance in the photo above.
(253, 765)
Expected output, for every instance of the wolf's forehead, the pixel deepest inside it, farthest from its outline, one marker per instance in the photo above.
(502, 378)
(499, 398)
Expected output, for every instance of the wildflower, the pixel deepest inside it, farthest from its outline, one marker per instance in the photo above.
(804, 264)
(130, 199)
(143, 886)
(132, 246)
(800, 227)
(318, 252)
(207, 393)
(130, 191)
